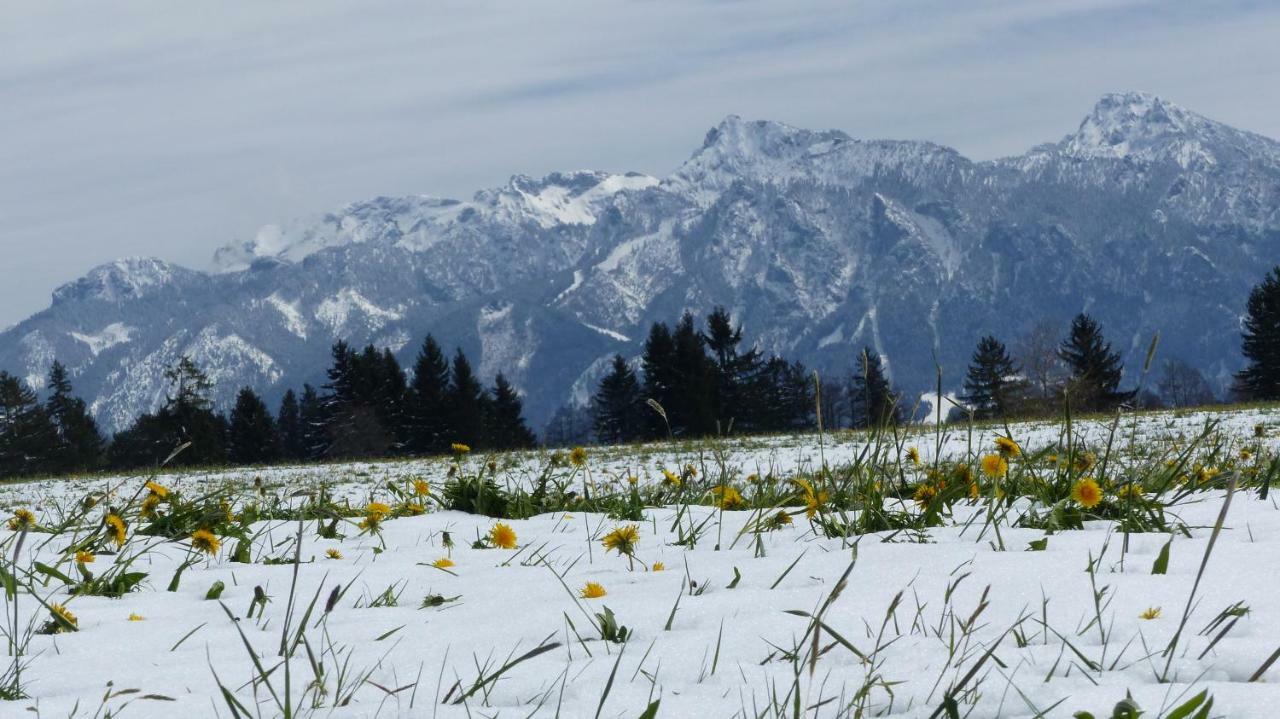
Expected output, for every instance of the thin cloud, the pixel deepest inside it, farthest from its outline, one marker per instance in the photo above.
(147, 128)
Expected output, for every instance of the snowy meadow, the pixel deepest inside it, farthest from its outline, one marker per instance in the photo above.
(1102, 567)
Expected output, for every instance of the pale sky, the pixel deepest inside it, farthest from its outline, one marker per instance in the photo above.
(167, 129)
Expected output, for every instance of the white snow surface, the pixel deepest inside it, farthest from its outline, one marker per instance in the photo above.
(718, 657)
(109, 336)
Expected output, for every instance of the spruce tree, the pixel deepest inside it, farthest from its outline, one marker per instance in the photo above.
(80, 445)
(355, 424)
(694, 391)
(252, 437)
(428, 416)
(311, 413)
(992, 380)
(391, 398)
(659, 366)
(186, 418)
(504, 422)
(736, 373)
(1095, 369)
(617, 409)
(872, 400)
(465, 402)
(26, 433)
(289, 426)
(1260, 380)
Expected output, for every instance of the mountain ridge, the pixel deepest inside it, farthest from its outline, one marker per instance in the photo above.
(1150, 216)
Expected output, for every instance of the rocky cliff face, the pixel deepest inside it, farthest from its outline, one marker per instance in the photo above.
(1150, 217)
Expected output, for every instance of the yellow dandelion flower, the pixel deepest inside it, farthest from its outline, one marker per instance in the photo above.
(134, 617)
(779, 519)
(592, 590)
(413, 508)
(813, 500)
(158, 490)
(1085, 462)
(69, 621)
(115, 527)
(22, 519)
(913, 454)
(502, 536)
(442, 563)
(993, 465)
(727, 497)
(1086, 493)
(1150, 613)
(205, 541)
(333, 553)
(622, 539)
(690, 470)
(421, 487)
(924, 494)
(658, 567)
(84, 557)
(377, 510)
(633, 480)
(1246, 454)
(460, 448)
(1007, 447)
(1131, 491)
(671, 479)
(577, 456)
(149, 505)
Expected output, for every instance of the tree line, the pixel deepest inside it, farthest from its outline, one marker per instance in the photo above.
(366, 408)
(688, 382)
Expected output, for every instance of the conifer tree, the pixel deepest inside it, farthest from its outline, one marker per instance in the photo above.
(785, 396)
(356, 422)
(992, 380)
(659, 366)
(252, 437)
(26, 433)
(736, 373)
(617, 410)
(311, 413)
(504, 423)
(1095, 369)
(186, 418)
(391, 400)
(1260, 380)
(428, 421)
(79, 445)
(872, 400)
(465, 402)
(694, 390)
(293, 446)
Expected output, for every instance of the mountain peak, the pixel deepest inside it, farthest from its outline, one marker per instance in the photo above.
(126, 278)
(1123, 124)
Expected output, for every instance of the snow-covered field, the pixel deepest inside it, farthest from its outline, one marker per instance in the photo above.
(958, 612)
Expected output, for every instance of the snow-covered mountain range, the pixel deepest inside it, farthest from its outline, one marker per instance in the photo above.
(1149, 216)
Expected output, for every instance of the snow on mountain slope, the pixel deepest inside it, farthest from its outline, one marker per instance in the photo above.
(110, 336)
(1150, 216)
